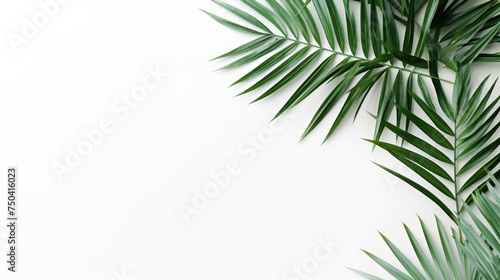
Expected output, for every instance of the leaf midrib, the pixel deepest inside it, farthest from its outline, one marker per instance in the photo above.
(360, 58)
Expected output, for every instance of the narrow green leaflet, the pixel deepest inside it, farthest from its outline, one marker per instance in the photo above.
(352, 34)
(425, 93)
(300, 68)
(365, 27)
(391, 36)
(326, 21)
(356, 93)
(252, 45)
(311, 83)
(410, 28)
(419, 143)
(232, 25)
(295, 58)
(426, 263)
(473, 52)
(422, 190)
(267, 14)
(480, 156)
(243, 15)
(297, 18)
(406, 58)
(400, 96)
(400, 275)
(337, 23)
(385, 106)
(488, 57)
(426, 175)
(444, 103)
(308, 18)
(435, 118)
(424, 30)
(481, 173)
(283, 15)
(407, 264)
(262, 51)
(331, 100)
(375, 30)
(268, 63)
(472, 103)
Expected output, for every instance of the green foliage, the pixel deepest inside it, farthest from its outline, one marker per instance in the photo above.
(482, 247)
(470, 254)
(472, 139)
(452, 146)
(298, 47)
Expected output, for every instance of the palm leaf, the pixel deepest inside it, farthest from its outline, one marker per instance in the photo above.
(469, 138)
(436, 258)
(306, 22)
(471, 254)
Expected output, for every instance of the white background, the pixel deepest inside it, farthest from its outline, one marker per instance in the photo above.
(116, 216)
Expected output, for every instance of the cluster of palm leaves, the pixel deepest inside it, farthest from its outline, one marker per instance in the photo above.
(471, 253)
(448, 139)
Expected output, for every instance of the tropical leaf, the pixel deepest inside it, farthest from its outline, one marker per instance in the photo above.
(460, 134)
(457, 143)
(306, 23)
(460, 31)
(436, 258)
(470, 136)
(483, 246)
(471, 253)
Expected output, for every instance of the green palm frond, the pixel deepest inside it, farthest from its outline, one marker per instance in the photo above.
(441, 258)
(458, 35)
(470, 254)
(467, 31)
(484, 250)
(450, 32)
(470, 138)
(299, 46)
(451, 147)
